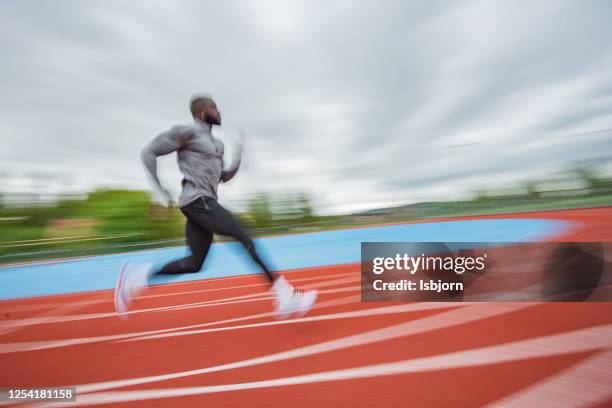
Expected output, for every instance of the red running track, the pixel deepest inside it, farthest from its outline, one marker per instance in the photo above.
(214, 343)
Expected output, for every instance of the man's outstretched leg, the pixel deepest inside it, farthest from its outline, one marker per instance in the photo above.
(210, 215)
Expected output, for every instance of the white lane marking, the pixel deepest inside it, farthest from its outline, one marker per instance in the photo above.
(51, 315)
(267, 296)
(584, 384)
(223, 301)
(454, 317)
(253, 297)
(342, 315)
(34, 320)
(593, 338)
(47, 344)
(61, 319)
(310, 278)
(286, 273)
(256, 297)
(332, 282)
(39, 306)
(14, 308)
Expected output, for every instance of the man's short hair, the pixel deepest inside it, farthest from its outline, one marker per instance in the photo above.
(196, 100)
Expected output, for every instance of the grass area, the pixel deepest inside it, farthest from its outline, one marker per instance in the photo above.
(569, 203)
(335, 223)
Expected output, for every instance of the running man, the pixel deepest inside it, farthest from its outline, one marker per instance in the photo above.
(200, 160)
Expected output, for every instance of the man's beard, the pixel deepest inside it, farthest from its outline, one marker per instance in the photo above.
(211, 120)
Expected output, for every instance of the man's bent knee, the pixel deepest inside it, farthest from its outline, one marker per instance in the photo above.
(194, 266)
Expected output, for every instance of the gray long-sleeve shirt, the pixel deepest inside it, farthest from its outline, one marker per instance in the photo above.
(200, 159)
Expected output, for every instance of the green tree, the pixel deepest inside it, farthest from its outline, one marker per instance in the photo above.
(531, 188)
(305, 208)
(260, 210)
(123, 212)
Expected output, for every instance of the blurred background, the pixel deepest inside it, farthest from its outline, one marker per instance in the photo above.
(356, 113)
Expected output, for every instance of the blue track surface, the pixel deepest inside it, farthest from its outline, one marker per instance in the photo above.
(283, 253)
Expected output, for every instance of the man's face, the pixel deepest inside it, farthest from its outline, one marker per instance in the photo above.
(211, 114)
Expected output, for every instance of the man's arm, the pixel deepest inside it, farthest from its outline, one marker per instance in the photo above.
(227, 175)
(164, 143)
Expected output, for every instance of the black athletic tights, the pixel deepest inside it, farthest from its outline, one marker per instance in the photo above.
(206, 216)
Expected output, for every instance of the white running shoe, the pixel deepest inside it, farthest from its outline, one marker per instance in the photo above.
(304, 302)
(133, 278)
(290, 301)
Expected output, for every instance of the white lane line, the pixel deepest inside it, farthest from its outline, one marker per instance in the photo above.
(333, 282)
(61, 319)
(593, 338)
(585, 384)
(50, 315)
(47, 344)
(269, 298)
(454, 317)
(342, 315)
(223, 301)
(287, 274)
(34, 320)
(39, 306)
(22, 308)
(255, 297)
(265, 284)
(252, 296)
(266, 295)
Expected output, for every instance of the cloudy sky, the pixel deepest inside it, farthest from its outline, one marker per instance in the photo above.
(358, 103)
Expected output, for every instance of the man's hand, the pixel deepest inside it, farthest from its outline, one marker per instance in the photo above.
(165, 209)
(168, 198)
(161, 212)
(228, 174)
